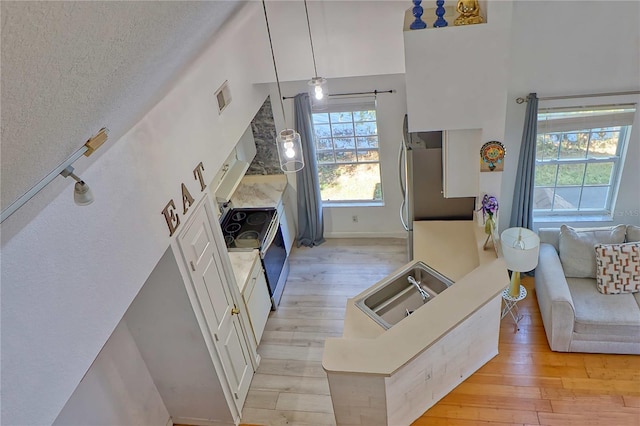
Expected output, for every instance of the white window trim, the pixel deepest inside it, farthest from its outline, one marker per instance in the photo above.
(352, 105)
(352, 203)
(600, 215)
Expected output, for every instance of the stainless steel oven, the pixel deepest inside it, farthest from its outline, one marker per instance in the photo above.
(259, 228)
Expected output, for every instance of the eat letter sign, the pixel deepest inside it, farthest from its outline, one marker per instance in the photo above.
(169, 212)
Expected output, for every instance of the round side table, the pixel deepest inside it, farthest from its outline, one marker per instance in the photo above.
(511, 305)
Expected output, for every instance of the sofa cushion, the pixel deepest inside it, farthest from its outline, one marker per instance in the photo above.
(576, 248)
(618, 268)
(598, 313)
(633, 233)
(550, 236)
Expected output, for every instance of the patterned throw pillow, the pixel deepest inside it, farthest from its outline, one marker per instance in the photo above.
(618, 268)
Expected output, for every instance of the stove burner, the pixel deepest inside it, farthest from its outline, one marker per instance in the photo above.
(246, 228)
(238, 216)
(248, 235)
(232, 228)
(248, 239)
(257, 218)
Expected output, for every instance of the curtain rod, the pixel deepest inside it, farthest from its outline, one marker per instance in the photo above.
(593, 95)
(375, 92)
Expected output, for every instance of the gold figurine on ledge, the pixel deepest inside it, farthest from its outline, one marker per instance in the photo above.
(469, 11)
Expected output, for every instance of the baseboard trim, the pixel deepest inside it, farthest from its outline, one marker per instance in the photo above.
(197, 422)
(365, 235)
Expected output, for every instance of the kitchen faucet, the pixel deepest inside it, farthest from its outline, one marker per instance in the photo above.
(425, 296)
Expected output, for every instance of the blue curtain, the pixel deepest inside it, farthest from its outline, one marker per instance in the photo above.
(522, 207)
(310, 223)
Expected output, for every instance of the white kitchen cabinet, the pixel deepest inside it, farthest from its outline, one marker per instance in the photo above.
(228, 177)
(226, 181)
(256, 299)
(287, 223)
(461, 162)
(246, 147)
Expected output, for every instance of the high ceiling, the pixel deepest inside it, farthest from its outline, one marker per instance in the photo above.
(70, 68)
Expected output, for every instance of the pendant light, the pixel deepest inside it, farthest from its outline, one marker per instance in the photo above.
(317, 86)
(288, 140)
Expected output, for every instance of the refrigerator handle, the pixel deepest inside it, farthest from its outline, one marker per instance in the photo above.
(401, 157)
(404, 224)
(401, 167)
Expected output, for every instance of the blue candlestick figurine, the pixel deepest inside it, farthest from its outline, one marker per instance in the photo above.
(417, 11)
(440, 22)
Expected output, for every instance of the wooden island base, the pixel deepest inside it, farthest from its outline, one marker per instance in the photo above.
(391, 377)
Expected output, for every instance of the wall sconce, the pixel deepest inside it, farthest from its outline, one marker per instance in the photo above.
(82, 194)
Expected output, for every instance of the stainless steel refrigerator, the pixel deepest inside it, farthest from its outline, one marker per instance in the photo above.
(420, 165)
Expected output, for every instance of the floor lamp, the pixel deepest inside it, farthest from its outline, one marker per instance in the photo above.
(520, 248)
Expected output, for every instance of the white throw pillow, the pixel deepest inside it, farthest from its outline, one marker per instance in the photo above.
(576, 246)
(633, 233)
(618, 268)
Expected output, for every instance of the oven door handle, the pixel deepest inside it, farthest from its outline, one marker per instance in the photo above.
(270, 235)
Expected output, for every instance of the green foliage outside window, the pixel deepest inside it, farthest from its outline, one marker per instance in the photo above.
(347, 151)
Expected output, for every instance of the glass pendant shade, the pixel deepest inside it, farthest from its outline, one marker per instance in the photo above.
(290, 151)
(318, 92)
(82, 194)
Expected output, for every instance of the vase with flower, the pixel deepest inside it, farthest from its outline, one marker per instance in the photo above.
(489, 208)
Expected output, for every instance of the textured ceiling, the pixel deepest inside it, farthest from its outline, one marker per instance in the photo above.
(71, 68)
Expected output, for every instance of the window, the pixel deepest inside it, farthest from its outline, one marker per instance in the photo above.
(579, 156)
(347, 150)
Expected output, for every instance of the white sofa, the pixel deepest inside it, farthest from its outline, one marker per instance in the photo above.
(576, 316)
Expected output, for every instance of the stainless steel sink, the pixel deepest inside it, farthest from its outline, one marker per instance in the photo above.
(395, 297)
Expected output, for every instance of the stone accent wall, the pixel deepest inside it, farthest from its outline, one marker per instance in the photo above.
(264, 132)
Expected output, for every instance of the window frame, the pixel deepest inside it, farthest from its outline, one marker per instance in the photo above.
(591, 123)
(352, 107)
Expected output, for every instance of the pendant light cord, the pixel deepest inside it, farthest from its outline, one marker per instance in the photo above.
(273, 56)
(313, 55)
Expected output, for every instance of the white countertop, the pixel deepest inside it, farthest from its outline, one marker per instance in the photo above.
(242, 262)
(453, 248)
(259, 191)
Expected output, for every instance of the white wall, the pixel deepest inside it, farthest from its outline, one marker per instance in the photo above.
(456, 79)
(164, 326)
(350, 38)
(70, 274)
(117, 389)
(373, 221)
(558, 48)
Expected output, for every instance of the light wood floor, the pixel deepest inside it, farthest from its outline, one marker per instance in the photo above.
(526, 384)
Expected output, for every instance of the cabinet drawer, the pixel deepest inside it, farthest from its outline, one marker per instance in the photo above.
(258, 301)
(256, 269)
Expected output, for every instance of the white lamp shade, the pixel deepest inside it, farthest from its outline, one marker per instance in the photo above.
(290, 151)
(82, 194)
(520, 248)
(318, 92)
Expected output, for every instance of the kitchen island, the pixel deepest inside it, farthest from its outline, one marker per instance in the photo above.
(391, 377)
